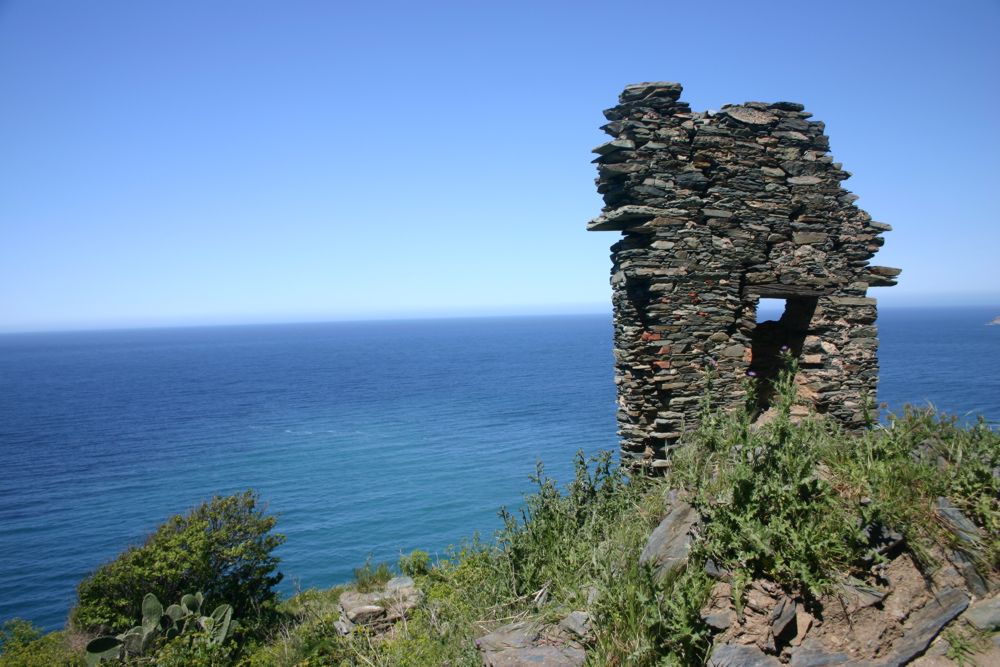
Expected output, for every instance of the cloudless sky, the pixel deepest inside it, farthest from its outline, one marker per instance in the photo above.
(193, 162)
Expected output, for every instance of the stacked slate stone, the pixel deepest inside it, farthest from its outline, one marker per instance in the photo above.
(717, 211)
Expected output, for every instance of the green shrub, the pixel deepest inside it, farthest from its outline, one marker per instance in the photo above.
(24, 645)
(222, 547)
(901, 469)
(415, 564)
(551, 545)
(193, 650)
(368, 578)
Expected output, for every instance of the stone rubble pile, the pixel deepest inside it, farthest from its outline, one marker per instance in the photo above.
(717, 211)
(895, 619)
(378, 610)
(898, 623)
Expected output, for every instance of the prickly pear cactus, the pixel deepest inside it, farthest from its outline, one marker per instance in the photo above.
(101, 648)
(174, 621)
(221, 620)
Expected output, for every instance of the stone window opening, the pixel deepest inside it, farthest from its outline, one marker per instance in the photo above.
(772, 338)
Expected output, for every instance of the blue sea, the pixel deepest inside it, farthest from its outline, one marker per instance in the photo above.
(366, 438)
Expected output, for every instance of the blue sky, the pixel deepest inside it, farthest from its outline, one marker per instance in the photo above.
(195, 162)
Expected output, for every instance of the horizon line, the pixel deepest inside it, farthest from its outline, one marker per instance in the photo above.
(396, 317)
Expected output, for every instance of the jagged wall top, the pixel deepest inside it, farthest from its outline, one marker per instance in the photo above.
(762, 166)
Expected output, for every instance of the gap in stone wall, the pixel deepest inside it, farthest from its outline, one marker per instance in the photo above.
(772, 339)
(769, 309)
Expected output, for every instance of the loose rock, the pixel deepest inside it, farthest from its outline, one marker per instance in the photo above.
(984, 615)
(670, 542)
(530, 644)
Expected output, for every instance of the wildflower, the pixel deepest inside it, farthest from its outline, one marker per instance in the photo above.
(751, 374)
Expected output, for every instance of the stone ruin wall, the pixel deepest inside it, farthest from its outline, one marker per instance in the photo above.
(718, 210)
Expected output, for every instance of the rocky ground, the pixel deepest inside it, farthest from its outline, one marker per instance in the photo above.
(905, 613)
(895, 618)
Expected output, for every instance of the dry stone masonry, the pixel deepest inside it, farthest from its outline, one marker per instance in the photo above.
(717, 211)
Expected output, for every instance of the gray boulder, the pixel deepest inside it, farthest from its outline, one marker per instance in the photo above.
(529, 644)
(514, 635)
(811, 654)
(577, 624)
(380, 609)
(670, 543)
(968, 533)
(985, 614)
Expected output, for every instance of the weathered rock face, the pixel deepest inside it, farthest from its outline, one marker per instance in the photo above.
(378, 610)
(891, 624)
(670, 543)
(526, 643)
(718, 211)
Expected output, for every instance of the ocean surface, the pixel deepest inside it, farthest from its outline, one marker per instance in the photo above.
(369, 438)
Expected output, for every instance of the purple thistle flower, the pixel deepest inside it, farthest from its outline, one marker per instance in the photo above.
(713, 363)
(785, 348)
(751, 374)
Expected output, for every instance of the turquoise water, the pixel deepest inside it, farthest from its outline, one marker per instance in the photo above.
(366, 438)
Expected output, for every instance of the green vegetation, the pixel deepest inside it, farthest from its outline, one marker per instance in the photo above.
(415, 564)
(182, 622)
(368, 578)
(24, 645)
(804, 503)
(563, 547)
(798, 503)
(222, 548)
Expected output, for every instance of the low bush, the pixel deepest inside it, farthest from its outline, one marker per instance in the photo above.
(224, 548)
(24, 645)
(415, 563)
(368, 578)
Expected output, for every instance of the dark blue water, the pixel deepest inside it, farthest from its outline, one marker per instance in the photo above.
(366, 438)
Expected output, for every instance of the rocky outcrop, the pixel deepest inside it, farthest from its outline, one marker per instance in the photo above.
(719, 210)
(858, 624)
(891, 620)
(533, 644)
(378, 610)
(734, 655)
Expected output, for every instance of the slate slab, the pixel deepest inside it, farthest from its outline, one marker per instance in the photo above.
(670, 542)
(736, 655)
